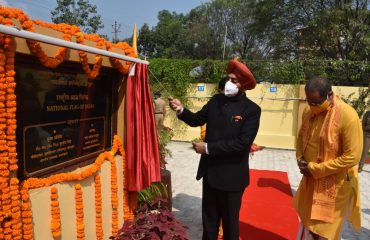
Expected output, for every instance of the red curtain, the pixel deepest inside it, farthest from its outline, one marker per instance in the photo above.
(142, 153)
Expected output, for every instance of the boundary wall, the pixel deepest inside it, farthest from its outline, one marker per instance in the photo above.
(282, 106)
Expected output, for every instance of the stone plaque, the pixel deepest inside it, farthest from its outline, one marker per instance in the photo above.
(62, 117)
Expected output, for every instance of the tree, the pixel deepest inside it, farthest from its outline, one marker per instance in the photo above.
(180, 36)
(169, 34)
(77, 12)
(201, 41)
(330, 29)
(273, 28)
(146, 43)
(233, 18)
(339, 29)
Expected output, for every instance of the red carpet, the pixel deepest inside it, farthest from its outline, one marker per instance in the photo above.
(267, 212)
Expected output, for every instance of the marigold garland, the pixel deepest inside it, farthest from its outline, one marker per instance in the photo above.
(11, 104)
(98, 208)
(80, 226)
(35, 47)
(130, 52)
(129, 199)
(80, 38)
(16, 224)
(10, 199)
(32, 183)
(1, 220)
(26, 214)
(4, 165)
(6, 211)
(55, 224)
(114, 193)
(10, 215)
(7, 14)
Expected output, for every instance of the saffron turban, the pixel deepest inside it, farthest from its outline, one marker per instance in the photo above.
(242, 73)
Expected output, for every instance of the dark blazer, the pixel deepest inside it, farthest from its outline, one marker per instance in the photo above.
(232, 125)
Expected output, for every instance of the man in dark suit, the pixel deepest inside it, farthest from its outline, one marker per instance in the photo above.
(232, 124)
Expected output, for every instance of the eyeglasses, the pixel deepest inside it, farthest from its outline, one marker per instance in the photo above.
(317, 103)
(233, 80)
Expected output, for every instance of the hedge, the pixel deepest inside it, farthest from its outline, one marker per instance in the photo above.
(175, 72)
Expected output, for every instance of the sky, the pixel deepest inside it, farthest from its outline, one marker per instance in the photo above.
(125, 12)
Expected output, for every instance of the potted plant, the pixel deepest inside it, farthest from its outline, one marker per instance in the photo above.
(164, 137)
(153, 221)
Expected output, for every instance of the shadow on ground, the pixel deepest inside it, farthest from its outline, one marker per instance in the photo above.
(246, 230)
(183, 202)
(188, 209)
(366, 211)
(275, 183)
(350, 234)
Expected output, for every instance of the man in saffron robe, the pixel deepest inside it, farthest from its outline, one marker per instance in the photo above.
(328, 151)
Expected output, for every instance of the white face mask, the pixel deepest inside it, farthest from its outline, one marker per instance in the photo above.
(231, 89)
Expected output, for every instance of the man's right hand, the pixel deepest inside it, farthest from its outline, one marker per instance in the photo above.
(303, 168)
(175, 104)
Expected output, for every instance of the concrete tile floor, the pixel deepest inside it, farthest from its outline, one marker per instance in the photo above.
(187, 191)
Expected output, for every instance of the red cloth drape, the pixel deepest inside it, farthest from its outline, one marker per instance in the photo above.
(142, 153)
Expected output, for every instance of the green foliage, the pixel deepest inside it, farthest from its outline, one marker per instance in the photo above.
(173, 74)
(362, 103)
(164, 137)
(344, 73)
(202, 40)
(154, 191)
(77, 12)
(146, 41)
(336, 29)
(159, 189)
(179, 35)
(152, 221)
(291, 72)
(263, 29)
(233, 20)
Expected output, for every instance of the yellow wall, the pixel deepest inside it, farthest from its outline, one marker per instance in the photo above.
(280, 118)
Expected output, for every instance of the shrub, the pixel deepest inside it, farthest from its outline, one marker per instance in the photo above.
(153, 221)
(173, 74)
(148, 195)
(362, 103)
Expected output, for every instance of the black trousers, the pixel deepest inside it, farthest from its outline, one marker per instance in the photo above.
(217, 205)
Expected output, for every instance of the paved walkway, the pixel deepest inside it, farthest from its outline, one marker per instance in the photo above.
(187, 191)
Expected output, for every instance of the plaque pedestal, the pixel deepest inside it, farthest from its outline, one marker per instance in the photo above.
(166, 180)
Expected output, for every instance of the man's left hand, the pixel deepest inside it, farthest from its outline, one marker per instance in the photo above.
(199, 147)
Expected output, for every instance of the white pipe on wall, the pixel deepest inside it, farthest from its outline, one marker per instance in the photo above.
(59, 42)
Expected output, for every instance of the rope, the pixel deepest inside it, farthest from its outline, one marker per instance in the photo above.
(163, 87)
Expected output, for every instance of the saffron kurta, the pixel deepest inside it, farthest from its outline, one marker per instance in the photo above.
(344, 167)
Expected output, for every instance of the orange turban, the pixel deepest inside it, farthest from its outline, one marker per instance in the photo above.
(243, 74)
